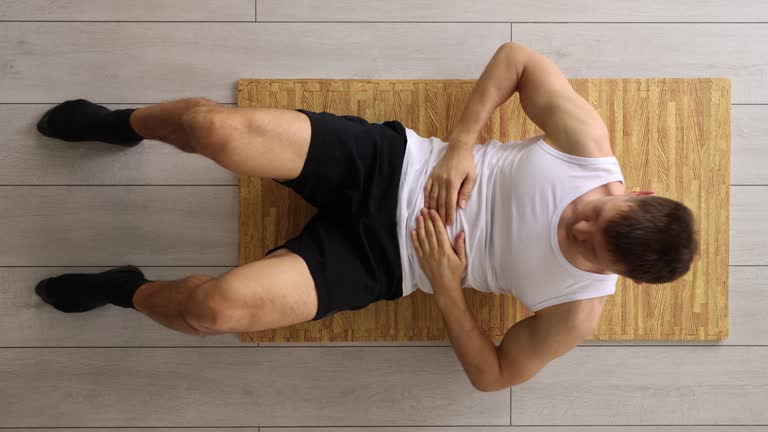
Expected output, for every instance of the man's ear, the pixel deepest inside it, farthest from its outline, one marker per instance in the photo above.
(639, 283)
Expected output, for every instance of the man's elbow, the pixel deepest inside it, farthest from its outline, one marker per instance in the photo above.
(497, 384)
(513, 48)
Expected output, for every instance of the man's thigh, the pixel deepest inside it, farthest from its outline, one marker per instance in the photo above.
(274, 292)
(260, 142)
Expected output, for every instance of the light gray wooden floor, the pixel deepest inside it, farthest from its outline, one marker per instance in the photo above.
(71, 207)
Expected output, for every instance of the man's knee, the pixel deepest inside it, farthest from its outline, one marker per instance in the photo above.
(208, 310)
(209, 128)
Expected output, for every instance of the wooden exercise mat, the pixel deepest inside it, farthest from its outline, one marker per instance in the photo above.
(669, 135)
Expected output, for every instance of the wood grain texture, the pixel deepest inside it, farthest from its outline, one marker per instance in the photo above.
(245, 386)
(134, 10)
(26, 321)
(736, 51)
(672, 136)
(116, 225)
(647, 386)
(513, 10)
(29, 158)
(747, 292)
(53, 62)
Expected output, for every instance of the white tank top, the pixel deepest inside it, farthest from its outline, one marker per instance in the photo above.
(511, 219)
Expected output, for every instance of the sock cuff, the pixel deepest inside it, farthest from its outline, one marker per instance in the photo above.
(122, 118)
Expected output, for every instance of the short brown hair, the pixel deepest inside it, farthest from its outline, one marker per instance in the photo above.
(654, 240)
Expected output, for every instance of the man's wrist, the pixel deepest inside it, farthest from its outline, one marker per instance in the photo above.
(461, 140)
(449, 298)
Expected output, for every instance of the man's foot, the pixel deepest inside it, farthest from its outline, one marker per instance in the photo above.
(81, 120)
(80, 292)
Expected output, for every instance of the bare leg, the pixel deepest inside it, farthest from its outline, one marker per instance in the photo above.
(165, 302)
(274, 292)
(261, 142)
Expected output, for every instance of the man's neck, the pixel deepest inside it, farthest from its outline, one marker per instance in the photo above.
(572, 252)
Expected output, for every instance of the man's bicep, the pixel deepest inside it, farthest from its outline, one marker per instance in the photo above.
(532, 343)
(549, 101)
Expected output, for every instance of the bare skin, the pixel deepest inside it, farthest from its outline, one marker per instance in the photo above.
(271, 143)
(276, 291)
(279, 291)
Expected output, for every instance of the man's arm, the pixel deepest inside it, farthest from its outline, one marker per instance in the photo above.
(535, 341)
(526, 348)
(476, 352)
(569, 121)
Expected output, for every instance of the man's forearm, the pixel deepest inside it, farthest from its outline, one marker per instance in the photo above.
(477, 353)
(497, 83)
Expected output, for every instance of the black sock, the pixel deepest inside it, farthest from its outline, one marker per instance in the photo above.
(81, 120)
(80, 292)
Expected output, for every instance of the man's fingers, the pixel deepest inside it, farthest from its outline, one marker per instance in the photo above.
(427, 190)
(441, 199)
(416, 243)
(429, 228)
(433, 195)
(460, 247)
(465, 191)
(442, 235)
(451, 209)
(422, 236)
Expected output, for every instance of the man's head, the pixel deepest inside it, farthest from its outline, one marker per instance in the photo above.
(649, 239)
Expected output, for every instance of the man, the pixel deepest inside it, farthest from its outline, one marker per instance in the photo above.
(546, 219)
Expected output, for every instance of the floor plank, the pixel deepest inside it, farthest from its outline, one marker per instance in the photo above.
(657, 50)
(512, 10)
(749, 151)
(535, 429)
(207, 387)
(647, 386)
(133, 430)
(115, 225)
(29, 322)
(150, 62)
(447, 428)
(134, 10)
(29, 158)
(749, 226)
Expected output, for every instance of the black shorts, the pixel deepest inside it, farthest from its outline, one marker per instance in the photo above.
(352, 176)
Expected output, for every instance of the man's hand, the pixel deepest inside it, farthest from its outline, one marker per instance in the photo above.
(443, 264)
(451, 182)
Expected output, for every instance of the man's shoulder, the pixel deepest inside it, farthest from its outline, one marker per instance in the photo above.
(590, 144)
(580, 315)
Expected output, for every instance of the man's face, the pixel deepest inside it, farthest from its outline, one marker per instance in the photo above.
(591, 219)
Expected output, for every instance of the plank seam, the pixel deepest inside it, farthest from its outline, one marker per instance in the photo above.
(390, 22)
(389, 426)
